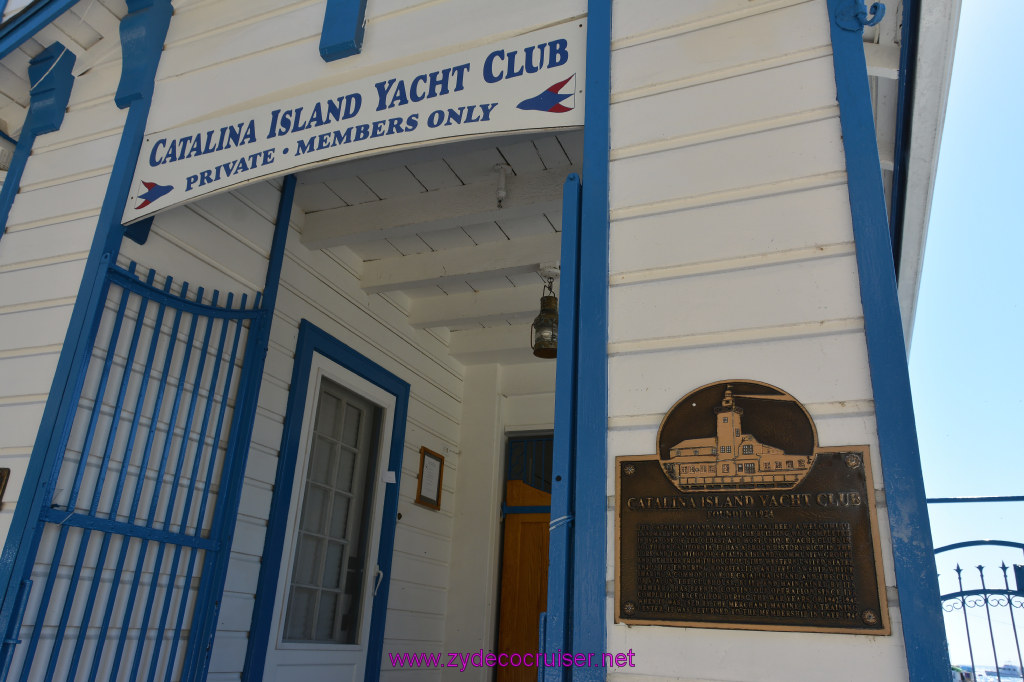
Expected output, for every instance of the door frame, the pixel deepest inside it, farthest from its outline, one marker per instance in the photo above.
(313, 340)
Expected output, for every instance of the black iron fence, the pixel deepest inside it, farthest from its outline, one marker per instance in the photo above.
(982, 596)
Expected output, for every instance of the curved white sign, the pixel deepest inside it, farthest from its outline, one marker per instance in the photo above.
(533, 81)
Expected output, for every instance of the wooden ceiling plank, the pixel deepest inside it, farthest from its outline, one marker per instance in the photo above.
(434, 174)
(393, 182)
(551, 153)
(489, 282)
(375, 251)
(522, 156)
(452, 238)
(410, 245)
(525, 227)
(352, 190)
(472, 308)
(475, 166)
(528, 195)
(572, 143)
(316, 197)
(506, 345)
(440, 267)
(485, 233)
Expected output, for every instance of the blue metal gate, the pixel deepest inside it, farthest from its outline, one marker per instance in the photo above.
(126, 558)
(120, 548)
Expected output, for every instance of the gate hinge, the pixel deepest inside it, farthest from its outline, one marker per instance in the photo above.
(19, 614)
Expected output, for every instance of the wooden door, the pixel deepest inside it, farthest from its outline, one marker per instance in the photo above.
(524, 575)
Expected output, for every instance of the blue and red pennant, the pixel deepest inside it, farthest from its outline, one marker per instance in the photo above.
(152, 193)
(550, 100)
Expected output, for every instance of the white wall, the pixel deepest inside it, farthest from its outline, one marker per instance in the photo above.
(42, 257)
(732, 257)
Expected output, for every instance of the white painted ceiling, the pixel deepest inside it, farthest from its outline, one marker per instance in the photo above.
(426, 225)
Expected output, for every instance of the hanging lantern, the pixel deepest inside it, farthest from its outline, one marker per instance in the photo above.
(544, 330)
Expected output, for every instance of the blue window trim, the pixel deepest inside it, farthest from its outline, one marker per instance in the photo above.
(28, 22)
(916, 579)
(49, 74)
(75, 353)
(342, 35)
(312, 340)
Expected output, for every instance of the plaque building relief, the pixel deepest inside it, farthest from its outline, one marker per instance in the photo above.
(741, 520)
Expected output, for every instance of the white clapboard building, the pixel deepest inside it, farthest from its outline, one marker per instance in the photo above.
(268, 268)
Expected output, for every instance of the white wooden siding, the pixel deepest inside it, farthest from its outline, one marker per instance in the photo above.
(732, 258)
(48, 236)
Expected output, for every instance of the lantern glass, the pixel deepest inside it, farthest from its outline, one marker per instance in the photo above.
(544, 331)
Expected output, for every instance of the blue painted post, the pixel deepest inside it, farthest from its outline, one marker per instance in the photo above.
(916, 579)
(589, 593)
(557, 626)
(342, 34)
(49, 75)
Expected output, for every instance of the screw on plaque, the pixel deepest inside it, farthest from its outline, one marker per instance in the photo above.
(629, 469)
(852, 460)
(629, 608)
(869, 617)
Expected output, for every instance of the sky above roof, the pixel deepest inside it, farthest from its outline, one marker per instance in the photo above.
(967, 355)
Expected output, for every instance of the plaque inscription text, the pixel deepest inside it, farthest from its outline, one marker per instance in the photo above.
(792, 551)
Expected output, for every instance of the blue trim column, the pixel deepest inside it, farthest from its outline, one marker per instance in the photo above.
(916, 579)
(50, 79)
(28, 22)
(342, 35)
(148, 19)
(311, 340)
(588, 582)
(556, 621)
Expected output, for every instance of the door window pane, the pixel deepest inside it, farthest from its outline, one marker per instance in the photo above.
(330, 562)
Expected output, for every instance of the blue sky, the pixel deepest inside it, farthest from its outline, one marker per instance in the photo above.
(967, 354)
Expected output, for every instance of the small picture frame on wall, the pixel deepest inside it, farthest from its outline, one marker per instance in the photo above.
(428, 484)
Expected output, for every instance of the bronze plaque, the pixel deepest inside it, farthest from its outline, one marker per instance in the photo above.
(742, 521)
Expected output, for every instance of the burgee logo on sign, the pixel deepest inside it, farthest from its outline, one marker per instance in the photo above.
(531, 82)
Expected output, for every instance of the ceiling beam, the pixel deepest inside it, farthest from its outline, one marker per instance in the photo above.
(455, 265)
(458, 310)
(504, 344)
(528, 195)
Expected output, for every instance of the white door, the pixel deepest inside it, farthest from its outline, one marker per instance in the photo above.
(329, 569)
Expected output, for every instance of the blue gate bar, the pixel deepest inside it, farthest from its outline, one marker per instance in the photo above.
(125, 542)
(58, 551)
(168, 516)
(115, 334)
(169, 513)
(91, 523)
(154, 502)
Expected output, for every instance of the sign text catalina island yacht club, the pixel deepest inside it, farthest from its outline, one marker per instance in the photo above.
(534, 81)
